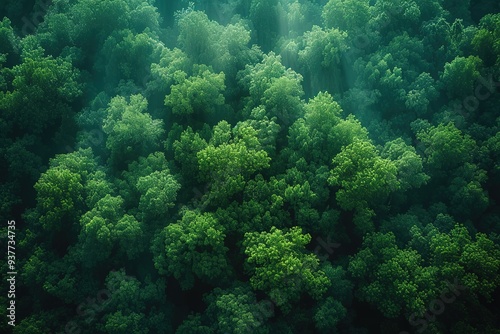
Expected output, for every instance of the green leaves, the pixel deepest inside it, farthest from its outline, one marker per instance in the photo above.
(346, 15)
(409, 164)
(134, 305)
(485, 41)
(128, 56)
(364, 178)
(192, 248)
(130, 236)
(196, 33)
(131, 130)
(280, 266)
(42, 90)
(59, 197)
(329, 314)
(274, 87)
(231, 310)
(97, 236)
(149, 187)
(199, 93)
(392, 279)
(158, 192)
(282, 99)
(460, 75)
(473, 260)
(320, 135)
(446, 146)
(323, 48)
(228, 164)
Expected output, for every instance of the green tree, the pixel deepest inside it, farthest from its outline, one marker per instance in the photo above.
(231, 310)
(281, 268)
(267, 129)
(232, 51)
(460, 75)
(322, 58)
(261, 208)
(9, 45)
(130, 129)
(421, 93)
(466, 192)
(446, 147)
(346, 15)
(149, 189)
(391, 15)
(329, 314)
(98, 233)
(128, 56)
(321, 133)
(185, 152)
(486, 40)
(227, 163)
(196, 34)
(365, 179)
(134, 306)
(130, 236)
(459, 255)
(276, 88)
(265, 18)
(283, 99)
(192, 248)
(199, 93)
(158, 193)
(162, 72)
(409, 164)
(394, 280)
(42, 92)
(61, 190)
(59, 197)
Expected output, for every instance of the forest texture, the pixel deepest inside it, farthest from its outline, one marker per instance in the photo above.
(250, 166)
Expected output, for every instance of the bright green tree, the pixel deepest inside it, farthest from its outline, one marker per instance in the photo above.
(192, 248)
(364, 178)
(99, 231)
(260, 81)
(230, 159)
(197, 94)
(231, 310)
(280, 266)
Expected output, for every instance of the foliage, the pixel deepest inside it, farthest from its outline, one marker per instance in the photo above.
(192, 248)
(197, 94)
(250, 166)
(131, 130)
(281, 268)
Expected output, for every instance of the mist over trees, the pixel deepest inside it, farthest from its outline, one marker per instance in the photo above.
(251, 166)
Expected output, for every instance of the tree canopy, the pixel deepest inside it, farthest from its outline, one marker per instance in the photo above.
(250, 166)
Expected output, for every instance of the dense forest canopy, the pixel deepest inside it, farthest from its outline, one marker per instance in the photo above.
(250, 166)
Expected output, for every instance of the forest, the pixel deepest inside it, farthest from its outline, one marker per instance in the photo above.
(250, 166)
